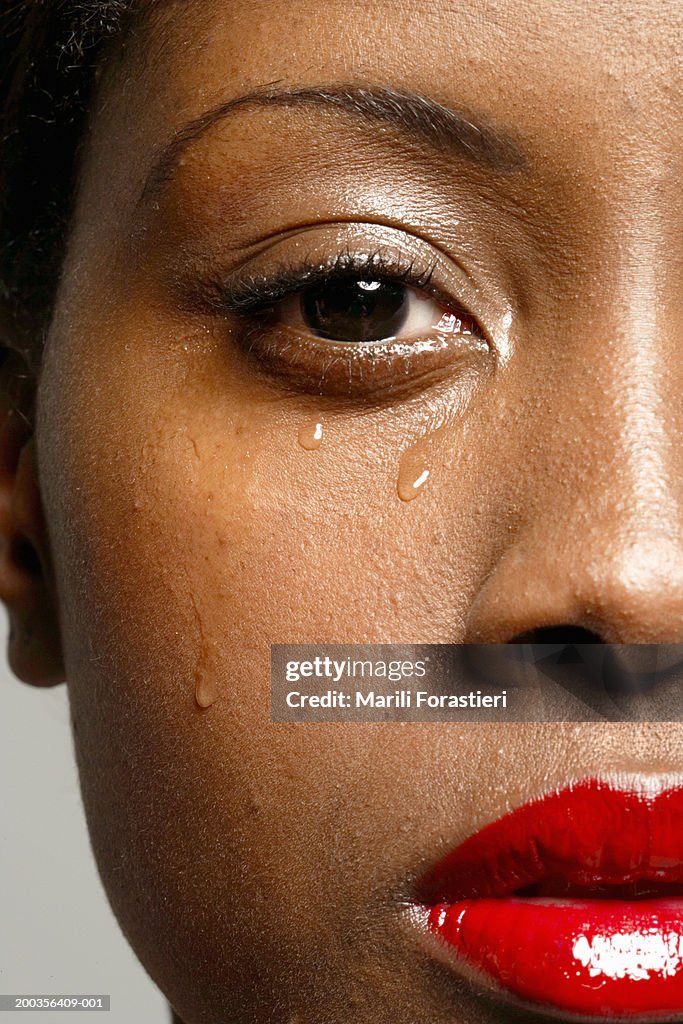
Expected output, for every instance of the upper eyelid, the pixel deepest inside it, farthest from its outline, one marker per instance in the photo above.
(200, 274)
(290, 278)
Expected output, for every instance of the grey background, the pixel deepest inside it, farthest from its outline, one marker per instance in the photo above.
(57, 932)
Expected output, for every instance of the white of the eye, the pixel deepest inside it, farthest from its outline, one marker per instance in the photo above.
(423, 315)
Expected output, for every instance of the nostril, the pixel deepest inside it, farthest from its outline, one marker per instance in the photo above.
(565, 645)
(571, 649)
(557, 634)
(623, 668)
(564, 634)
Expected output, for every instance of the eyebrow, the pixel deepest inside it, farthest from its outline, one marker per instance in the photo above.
(414, 115)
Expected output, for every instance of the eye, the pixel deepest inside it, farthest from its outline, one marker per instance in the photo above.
(352, 324)
(358, 311)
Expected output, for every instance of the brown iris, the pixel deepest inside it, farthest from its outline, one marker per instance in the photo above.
(352, 310)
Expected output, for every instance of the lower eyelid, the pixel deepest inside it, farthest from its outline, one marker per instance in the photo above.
(392, 368)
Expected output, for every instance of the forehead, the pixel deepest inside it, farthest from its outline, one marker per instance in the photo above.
(553, 72)
(454, 37)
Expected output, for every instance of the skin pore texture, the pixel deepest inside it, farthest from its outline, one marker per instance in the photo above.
(190, 516)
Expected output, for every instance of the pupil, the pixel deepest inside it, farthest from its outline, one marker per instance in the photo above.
(353, 310)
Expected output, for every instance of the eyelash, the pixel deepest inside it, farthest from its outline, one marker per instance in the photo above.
(256, 294)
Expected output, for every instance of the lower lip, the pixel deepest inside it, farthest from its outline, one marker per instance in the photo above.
(589, 959)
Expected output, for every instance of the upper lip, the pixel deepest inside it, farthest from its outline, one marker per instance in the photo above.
(620, 839)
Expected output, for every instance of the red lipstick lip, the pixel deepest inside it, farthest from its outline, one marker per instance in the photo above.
(572, 904)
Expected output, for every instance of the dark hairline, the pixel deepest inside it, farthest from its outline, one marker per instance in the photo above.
(50, 55)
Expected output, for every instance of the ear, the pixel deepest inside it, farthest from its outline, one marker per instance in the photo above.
(26, 579)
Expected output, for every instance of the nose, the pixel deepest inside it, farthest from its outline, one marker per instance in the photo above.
(597, 555)
(556, 586)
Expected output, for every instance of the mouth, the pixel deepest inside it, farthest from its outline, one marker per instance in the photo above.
(571, 905)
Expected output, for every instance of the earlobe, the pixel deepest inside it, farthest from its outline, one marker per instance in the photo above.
(26, 579)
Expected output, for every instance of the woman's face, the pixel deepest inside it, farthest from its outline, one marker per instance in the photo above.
(531, 242)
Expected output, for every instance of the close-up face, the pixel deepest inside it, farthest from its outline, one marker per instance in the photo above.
(369, 330)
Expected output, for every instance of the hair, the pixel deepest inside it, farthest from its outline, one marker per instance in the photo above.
(49, 52)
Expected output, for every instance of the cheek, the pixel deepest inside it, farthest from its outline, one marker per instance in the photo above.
(190, 530)
(195, 512)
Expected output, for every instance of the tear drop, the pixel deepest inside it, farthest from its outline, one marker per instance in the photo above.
(409, 486)
(311, 435)
(415, 467)
(205, 689)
